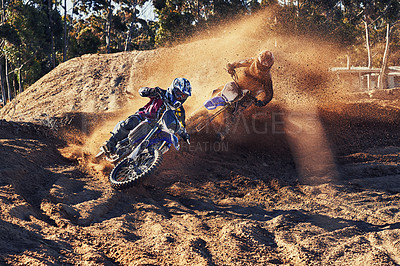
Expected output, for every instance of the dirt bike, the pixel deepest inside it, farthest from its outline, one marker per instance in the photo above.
(138, 155)
(226, 98)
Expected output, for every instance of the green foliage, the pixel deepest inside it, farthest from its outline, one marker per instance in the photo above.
(179, 19)
(86, 42)
(29, 40)
(123, 14)
(175, 22)
(224, 9)
(30, 30)
(377, 15)
(9, 33)
(341, 22)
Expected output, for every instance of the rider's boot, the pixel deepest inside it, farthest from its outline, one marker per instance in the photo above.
(109, 145)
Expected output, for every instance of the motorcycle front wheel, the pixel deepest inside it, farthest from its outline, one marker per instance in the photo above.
(128, 171)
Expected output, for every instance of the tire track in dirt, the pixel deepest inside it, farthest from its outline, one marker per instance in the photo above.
(252, 203)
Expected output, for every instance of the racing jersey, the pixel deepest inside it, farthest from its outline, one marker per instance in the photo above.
(155, 106)
(255, 78)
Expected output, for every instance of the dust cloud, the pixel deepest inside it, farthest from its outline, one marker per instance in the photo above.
(300, 77)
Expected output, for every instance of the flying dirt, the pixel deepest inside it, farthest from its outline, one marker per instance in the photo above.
(311, 178)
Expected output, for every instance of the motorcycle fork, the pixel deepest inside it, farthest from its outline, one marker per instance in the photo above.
(139, 149)
(163, 147)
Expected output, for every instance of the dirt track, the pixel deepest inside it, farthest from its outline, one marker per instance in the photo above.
(243, 206)
(313, 178)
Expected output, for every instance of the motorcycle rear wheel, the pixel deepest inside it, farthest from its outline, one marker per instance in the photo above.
(127, 172)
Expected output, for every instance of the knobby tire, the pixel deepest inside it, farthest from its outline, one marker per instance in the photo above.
(123, 175)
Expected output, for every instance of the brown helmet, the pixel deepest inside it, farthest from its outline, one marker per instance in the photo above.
(266, 58)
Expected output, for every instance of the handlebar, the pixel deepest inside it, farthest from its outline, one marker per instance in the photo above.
(233, 73)
(234, 76)
(166, 102)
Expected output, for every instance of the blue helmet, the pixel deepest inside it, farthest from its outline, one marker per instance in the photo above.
(179, 91)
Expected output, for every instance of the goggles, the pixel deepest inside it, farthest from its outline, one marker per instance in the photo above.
(180, 96)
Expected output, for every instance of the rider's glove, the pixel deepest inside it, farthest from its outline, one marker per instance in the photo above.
(259, 103)
(149, 92)
(230, 68)
(157, 91)
(185, 136)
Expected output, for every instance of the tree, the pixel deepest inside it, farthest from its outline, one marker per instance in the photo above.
(7, 33)
(373, 15)
(179, 19)
(66, 21)
(26, 42)
(175, 22)
(84, 41)
(100, 10)
(136, 26)
(119, 18)
(224, 9)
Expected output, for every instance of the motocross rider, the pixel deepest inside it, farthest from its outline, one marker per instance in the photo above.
(253, 78)
(176, 95)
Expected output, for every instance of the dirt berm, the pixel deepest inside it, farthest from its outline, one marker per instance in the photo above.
(312, 178)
